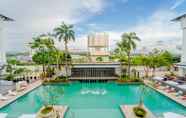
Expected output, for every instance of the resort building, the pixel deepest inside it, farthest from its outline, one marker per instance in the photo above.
(3, 20)
(182, 65)
(98, 47)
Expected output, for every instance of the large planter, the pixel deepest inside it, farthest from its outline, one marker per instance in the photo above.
(139, 112)
(47, 112)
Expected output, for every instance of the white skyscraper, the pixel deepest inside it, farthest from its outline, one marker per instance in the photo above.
(3, 20)
(182, 20)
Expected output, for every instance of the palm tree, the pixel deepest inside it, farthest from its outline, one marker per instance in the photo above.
(128, 44)
(66, 33)
(42, 44)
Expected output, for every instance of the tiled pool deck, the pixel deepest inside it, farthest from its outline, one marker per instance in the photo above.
(29, 88)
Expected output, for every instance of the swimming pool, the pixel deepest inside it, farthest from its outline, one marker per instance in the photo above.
(94, 100)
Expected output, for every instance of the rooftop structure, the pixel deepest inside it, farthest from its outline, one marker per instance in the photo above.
(98, 46)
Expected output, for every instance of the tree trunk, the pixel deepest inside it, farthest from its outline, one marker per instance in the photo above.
(43, 76)
(129, 64)
(66, 61)
(153, 71)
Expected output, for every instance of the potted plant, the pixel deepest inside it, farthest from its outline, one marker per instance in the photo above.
(139, 110)
(49, 96)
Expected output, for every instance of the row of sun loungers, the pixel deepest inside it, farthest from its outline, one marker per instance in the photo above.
(20, 86)
(170, 87)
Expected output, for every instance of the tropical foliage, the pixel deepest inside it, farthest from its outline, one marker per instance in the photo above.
(65, 33)
(125, 48)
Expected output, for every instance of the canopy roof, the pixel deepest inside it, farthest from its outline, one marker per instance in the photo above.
(4, 18)
(179, 18)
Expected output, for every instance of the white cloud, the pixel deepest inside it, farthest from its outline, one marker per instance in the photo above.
(37, 16)
(177, 4)
(155, 28)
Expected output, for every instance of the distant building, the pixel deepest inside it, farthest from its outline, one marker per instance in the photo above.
(98, 46)
(182, 65)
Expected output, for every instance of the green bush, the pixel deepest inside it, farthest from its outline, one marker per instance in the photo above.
(140, 112)
(10, 77)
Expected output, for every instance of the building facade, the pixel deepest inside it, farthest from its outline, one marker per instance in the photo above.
(98, 47)
(182, 65)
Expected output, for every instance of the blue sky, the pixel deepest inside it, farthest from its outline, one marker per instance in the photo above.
(150, 19)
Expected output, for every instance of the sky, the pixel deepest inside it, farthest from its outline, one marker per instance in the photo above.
(150, 19)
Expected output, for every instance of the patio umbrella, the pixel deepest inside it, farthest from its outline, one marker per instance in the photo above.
(172, 115)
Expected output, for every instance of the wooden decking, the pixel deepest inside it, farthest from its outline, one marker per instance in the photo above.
(127, 111)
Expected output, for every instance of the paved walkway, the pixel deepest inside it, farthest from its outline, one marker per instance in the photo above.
(29, 88)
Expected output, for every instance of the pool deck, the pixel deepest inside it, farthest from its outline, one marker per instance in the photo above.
(127, 111)
(61, 110)
(169, 95)
(29, 88)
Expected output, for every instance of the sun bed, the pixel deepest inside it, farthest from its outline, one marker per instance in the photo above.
(3, 97)
(11, 93)
(172, 83)
(158, 78)
(183, 87)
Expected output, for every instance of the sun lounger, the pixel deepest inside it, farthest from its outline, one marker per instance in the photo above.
(11, 93)
(166, 88)
(177, 94)
(3, 97)
(19, 87)
(171, 90)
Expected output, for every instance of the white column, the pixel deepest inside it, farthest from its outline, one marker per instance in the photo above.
(183, 58)
(183, 25)
(2, 44)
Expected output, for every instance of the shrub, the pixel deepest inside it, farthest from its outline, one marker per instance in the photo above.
(139, 111)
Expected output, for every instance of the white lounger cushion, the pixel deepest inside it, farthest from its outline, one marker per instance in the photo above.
(172, 115)
(157, 78)
(12, 93)
(3, 97)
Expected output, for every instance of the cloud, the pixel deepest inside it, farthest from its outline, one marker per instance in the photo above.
(156, 28)
(38, 16)
(177, 4)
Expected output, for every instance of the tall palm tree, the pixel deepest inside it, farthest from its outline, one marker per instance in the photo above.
(66, 33)
(128, 44)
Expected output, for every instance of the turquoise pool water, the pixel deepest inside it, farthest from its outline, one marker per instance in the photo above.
(96, 100)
